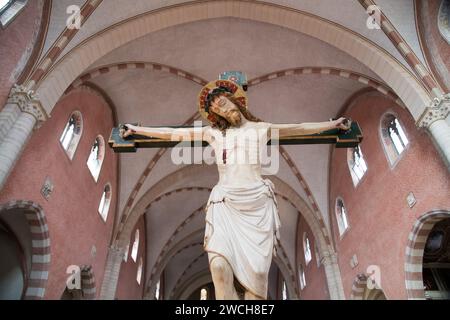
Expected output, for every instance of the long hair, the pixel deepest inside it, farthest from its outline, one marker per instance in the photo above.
(222, 123)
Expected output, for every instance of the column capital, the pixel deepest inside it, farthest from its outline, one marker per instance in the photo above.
(28, 102)
(439, 109)
(329, 258)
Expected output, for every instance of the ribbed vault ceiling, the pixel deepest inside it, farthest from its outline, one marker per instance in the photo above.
(204, 49)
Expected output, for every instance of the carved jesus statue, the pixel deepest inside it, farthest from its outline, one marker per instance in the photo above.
(242, 219)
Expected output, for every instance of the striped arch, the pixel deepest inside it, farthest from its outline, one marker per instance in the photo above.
(58, 46)
(414, 252)
(359, 286)
(141, 65)
(52, 81)
(40, 247)
(88, 283)
(152, 66)
(343, 73)
(405, 50)
(360, 290)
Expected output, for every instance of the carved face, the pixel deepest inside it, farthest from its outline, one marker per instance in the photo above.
(222, 106)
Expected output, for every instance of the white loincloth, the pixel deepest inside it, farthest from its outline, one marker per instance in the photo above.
(242, 226)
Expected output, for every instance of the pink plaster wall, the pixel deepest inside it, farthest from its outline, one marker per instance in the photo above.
(379, 217)
(127, 287)
(72, 210)
(14, 40)
(316, 285)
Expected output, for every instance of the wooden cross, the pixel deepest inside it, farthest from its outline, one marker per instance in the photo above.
(342, 139)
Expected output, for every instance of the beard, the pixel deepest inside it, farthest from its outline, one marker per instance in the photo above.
(235, 118)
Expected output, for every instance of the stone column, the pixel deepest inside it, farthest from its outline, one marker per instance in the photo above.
(21, 115)
(8, 117)
(111, 276)
(333, 275)
(437, 120)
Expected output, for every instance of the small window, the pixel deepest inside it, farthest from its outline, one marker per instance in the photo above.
(72, 134)
(307, 249)
(302, 277)
(127, 251)
(393, 137)
(356, 164)
(284, 293)
(105, 201)
(4, 4)
(96, 157)
(341, 217)
(9, 9)
(158, 290)
(134, 250)
(139, 271)
(444, 20)
(204, 294)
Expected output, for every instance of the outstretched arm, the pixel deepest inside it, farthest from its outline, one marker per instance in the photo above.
(309, 127)
(166, 133)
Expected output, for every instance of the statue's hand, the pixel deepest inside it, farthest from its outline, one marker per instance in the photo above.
(126, 130)
(343, 123)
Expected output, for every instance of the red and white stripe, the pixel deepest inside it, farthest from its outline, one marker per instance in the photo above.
(122, 66)
(405, 50)
(88, 283)
(414, 252)
(59, 45)
(343, 73)
(359, 286)
(40, 247)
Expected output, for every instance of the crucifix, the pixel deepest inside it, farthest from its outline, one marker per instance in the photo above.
(349, 138)
(238, 247)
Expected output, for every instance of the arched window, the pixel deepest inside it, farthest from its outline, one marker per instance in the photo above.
(127, 251)
(356, 164)
(341, 216)
(72, 134)
(302, 277)
(284, 294)
(444, 20)
(204, 294)
(9, 9)
(393, 137)
(4, 4)
(307, 249)
(139, 271)
(105, 201)
(158, 290)
(96, 157)
(134, 250)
